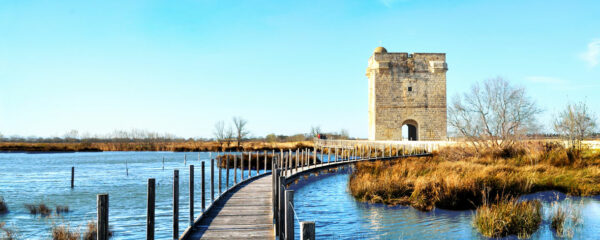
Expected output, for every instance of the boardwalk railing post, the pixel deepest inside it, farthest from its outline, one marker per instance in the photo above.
(227, 173)
(307, 230)
(234, 170)
(275, 179)
(72, 177)
(322, 160)
(203, 191)
(175, 204)
(212, 180)
(249, 164)
(281, 207)
(242, 161)
(102, 227)
(289, 214)
(336, 155)
(219, 177)
(150, 209)
(191, 195)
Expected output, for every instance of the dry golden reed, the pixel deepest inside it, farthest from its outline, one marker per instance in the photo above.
(454, 178)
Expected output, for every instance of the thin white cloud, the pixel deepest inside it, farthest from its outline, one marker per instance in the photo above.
(546, 80)
(592, 55)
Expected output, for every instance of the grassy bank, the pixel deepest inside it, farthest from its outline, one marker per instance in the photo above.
(458, 178)
(184, 146)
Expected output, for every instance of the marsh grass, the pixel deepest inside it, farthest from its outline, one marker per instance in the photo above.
(62, 209)
(565, 218)
(7, 233)
(91, 231)
(508, 217)
(455, 178)
(3, 206)
(38, 208)
(64, 232)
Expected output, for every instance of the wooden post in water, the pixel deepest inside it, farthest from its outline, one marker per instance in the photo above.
(219, 177)
(212, 180)
(102, 227)
(227, 173)
(275, 177)
(150, 209)
(163, 163)
(175, 204)
(281, 201)
(191, 195)
(203, 189)
(184, 159)
(307, 230)
(72, 177)
(289, 214)
(234, 169)
(126, 168)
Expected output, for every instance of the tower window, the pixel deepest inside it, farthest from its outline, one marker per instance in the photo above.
(410, 89)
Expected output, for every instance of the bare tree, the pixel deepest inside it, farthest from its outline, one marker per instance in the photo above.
(575, 123)
(229, 136)
(220, 133)
(71, 135)
(493, 114)
(240, 130)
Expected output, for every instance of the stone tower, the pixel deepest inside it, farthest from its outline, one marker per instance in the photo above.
(407, 89)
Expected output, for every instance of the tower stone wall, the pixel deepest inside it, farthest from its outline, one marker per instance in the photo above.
(407, 89)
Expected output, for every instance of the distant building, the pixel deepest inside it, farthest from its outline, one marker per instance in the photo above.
(407, 89)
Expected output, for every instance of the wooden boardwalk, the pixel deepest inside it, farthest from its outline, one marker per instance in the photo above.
(243, 213)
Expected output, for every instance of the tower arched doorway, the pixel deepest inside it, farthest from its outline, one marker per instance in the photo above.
(410, 130)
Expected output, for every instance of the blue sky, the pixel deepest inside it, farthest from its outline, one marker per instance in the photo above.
(180, 66)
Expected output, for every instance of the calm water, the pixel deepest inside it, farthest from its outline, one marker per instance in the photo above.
(326, 200)
(34, 178)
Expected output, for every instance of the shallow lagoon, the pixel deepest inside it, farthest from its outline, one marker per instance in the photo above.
(34, 178)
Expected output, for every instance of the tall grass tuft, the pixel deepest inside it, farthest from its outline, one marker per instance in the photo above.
(63, 232)
(3, 207)
(92, 230)
(508, 217)
(564, 218)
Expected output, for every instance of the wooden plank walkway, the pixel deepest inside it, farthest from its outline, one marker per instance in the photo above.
(243, 213)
